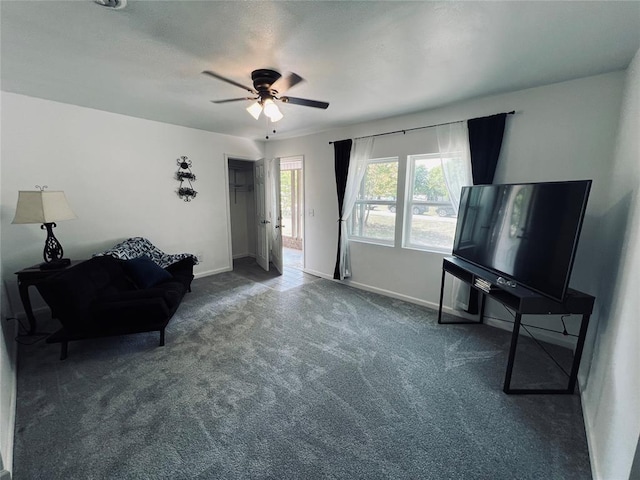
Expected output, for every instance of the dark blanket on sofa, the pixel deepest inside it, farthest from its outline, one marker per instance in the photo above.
(107, 296)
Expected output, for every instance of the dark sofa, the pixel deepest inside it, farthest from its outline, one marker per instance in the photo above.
(107, 296)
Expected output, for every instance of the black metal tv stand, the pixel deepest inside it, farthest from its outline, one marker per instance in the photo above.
(523, 302)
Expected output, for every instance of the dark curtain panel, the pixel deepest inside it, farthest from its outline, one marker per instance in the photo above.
(485, 141)
(342, 151)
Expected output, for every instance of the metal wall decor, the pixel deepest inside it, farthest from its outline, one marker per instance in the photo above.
(185, 174)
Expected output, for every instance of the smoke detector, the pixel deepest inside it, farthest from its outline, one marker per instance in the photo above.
(112, 4)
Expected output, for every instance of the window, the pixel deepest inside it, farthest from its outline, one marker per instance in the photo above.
(411, 201)
(374, 214)
(430, 214)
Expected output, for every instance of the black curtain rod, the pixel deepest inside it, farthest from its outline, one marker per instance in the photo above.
(417, 128)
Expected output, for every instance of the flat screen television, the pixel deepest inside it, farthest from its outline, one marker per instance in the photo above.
(527, 233)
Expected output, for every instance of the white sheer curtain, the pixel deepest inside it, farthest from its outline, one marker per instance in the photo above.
(360, 153)
(453, 144)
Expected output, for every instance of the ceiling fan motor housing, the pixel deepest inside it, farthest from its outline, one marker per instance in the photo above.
(262, 81)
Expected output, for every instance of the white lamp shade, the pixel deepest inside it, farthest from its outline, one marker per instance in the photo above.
(42, 207)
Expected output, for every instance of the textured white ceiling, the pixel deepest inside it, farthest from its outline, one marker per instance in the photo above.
(369, 59)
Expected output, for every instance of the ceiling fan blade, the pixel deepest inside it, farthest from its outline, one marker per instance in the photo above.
(233, 100)
(284, 83)
(228, 80)
(305, 102)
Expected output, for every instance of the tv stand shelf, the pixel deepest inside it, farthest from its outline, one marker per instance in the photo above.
(524, 302)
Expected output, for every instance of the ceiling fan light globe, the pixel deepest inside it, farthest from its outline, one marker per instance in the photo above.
(255, 110)
(272, 111)
(276, 115)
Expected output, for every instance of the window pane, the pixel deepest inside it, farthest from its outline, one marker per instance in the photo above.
(374, 215)
(380, 181)
(431, 217)
(431, 230)
(374, 221)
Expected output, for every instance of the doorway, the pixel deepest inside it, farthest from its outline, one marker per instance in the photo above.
(252, 186)
(292, 205)
(254, 206)
(242, 208)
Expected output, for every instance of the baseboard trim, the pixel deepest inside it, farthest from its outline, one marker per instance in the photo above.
(595, 469)
(208, 273)
(392, 294)
(243, 255)
(382, 291)
(7, 463)
(315, 273)
(540, 335)
(12, 420)
(239, 255)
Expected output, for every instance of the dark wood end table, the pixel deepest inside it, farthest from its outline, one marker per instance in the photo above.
(30, 276)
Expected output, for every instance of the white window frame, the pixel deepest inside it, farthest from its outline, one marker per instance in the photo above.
(362, 204)
(409, 204)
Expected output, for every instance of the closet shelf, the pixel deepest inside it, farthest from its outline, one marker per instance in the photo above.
(238, 187)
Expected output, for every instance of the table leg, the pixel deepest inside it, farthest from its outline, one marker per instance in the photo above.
(441, 296)
(512, 353)
(23, 288)
(577, 355)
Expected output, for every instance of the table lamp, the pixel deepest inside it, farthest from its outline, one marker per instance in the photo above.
(45, 207)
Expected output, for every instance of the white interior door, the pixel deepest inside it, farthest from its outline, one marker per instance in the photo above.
(262, 232)
(275, 213)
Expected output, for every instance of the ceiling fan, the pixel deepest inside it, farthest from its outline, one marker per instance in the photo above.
(268, 86)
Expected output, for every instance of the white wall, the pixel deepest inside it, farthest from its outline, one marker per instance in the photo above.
(561, 131)
(118, 176)
(611, 400)
(8, 374)
(8, 380)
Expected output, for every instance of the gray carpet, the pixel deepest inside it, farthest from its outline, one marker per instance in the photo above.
(319, 381)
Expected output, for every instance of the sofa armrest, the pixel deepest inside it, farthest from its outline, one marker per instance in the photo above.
(184, 266)
(182, 271)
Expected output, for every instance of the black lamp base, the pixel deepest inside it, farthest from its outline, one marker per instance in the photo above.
(52, 249)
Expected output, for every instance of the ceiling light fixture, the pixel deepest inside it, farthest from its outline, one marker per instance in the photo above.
(269, 107)
(268, 87)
